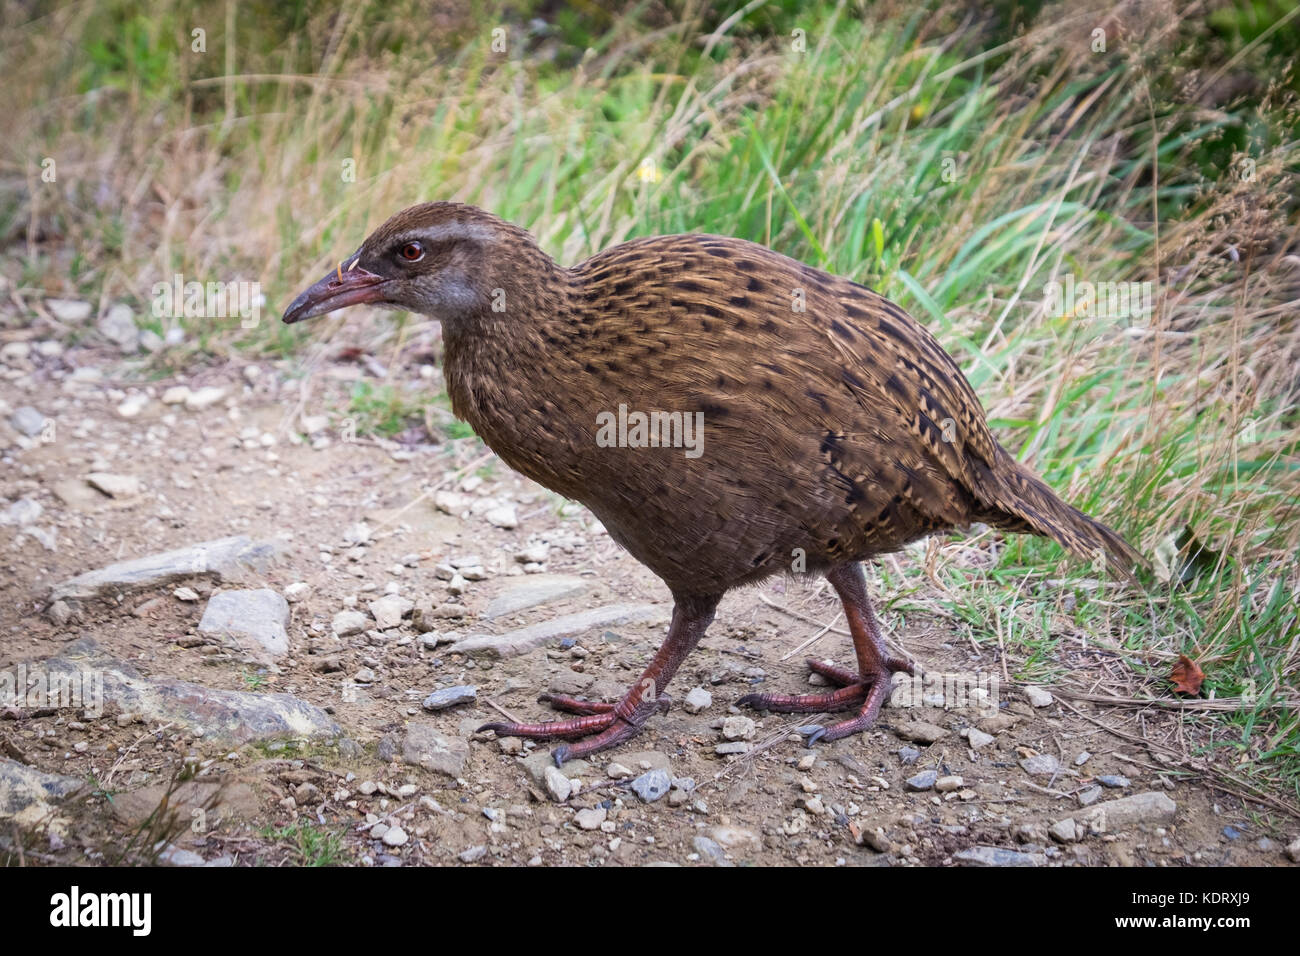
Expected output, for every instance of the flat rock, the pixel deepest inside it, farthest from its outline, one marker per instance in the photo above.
(259, 615)
(225, 717)
(24, 788)
(347, 623)
(1150, 807)
(450, 697)
(1064, 831)
(1038, 697)
(389, 610)
(218, 802)
(534, 590)
(920, 732)
(922, 781)
(1040, 765)
(977, 739)
(221, 559)
(525, 639)
(996, 856)
(424, 746)
(69, 310)
(27, 421)
(115, 486)
(698, 700)
(652, 785)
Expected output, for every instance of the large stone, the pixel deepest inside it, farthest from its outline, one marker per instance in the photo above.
(1151, 807)
(529, 638)
(220, 560)
(259, 616)
(533, 590)
(996, 856)
(424, 746)
(23, 787)
(218, 802)
(225, 717)
(118, 326)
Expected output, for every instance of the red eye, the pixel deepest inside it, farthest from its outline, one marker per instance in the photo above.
(412, 252)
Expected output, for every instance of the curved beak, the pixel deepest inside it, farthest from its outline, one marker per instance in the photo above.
(340, 288)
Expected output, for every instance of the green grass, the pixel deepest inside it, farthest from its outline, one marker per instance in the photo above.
(313, 845)
(956, 167)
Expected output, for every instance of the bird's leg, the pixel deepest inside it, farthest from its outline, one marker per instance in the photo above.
(867, 688)
(604, 725)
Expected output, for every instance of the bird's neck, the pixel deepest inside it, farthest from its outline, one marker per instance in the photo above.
(500, 363)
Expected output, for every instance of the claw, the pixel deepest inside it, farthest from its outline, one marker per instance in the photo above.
(560, 754)
(813, 732)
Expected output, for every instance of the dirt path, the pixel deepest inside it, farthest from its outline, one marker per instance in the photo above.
(354, 521)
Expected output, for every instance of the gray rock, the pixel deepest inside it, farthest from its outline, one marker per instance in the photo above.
(22, 512)
(389, 610)
(69, 310)
(525, 639)
(202, 398)
(539, 760)
(977, 739)
(473, 854)
(118, 326)
(1150, 807)
(395, 836)
(347, 623)
(1041, 765)
(557, 784)
(1114, 780)
(590, 818)
(425, 747)
(259, 615)
(908, 755)
(698, 700)
(225, 717)
(652, 785)
(23, 787)
(27, 421)
(502, 516)
(450, 697)
(1089, 796)
(1293, 850)
(710, 851)
(920, 732)
(221, 560)
(732, 748)
(1030, 833)
(949, 783)
(534, 590)
(996, 856)
(1064, 831)
(923, 780)
(1038, 697)
(173, 855)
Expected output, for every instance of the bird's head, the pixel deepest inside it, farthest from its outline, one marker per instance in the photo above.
(438, 259)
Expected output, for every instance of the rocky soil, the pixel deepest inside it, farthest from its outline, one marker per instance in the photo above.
(292, 636)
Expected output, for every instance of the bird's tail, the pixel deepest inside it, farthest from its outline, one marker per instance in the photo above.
(1021, 501)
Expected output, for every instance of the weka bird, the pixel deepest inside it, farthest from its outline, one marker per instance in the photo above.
(835, 427)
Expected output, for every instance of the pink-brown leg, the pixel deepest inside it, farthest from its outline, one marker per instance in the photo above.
(866, 689)
(603, 728)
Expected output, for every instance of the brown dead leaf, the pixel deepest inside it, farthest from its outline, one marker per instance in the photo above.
(1187, 676)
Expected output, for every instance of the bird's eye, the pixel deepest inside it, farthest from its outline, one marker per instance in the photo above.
(412, 252)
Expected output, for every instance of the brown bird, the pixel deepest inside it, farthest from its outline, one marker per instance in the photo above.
(727, 412)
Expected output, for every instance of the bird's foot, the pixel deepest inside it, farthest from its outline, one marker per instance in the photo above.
(866, 691)
(599, 727)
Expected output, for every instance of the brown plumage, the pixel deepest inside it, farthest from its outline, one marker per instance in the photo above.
(835, 427)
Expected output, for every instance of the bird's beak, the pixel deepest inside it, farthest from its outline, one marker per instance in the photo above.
(342, 287)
